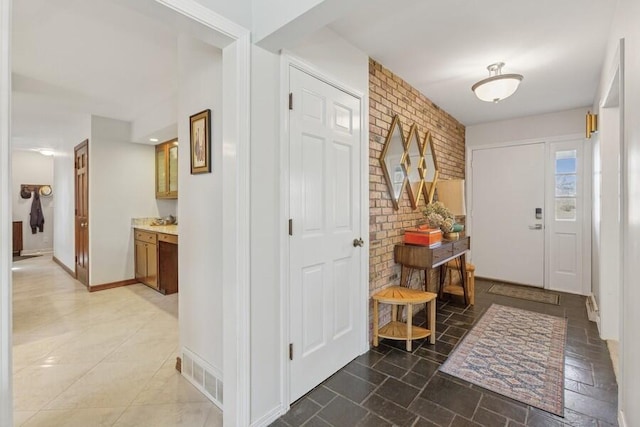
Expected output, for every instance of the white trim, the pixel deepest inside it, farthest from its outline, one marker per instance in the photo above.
(288, 60)
(205, 16)
(6, 407)
(621, 419)
(269, 417)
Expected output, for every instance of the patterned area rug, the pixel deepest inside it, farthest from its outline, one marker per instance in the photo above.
(516, 353)
(525, 292)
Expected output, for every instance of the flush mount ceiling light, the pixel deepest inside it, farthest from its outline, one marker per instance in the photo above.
(497, 86)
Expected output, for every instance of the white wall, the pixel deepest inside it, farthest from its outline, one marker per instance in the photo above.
(121, 187)
(75, 131)
(625, 26)
(200, 207)
(30, 167)
(330, 55)
(539, 127)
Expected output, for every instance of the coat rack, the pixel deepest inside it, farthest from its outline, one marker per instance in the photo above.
(32, 188)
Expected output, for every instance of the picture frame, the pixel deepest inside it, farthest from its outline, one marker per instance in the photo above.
(200, 135)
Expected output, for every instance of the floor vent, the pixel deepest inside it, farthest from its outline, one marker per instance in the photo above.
(203, 376)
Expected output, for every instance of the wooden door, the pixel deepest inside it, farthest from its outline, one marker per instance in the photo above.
(82, 211)
(507, 189)
(325, 196)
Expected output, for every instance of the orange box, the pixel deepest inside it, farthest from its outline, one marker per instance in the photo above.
(422, 236)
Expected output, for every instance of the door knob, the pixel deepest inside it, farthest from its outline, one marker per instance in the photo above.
(358, 242)
(535, 227)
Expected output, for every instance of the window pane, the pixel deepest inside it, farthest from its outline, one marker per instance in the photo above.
(566, 209)
(565, 185)
(566, 161)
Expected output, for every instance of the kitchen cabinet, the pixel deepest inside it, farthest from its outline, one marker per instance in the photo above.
(168, 263)
(146, 258)
(156, 260)
(167, 170)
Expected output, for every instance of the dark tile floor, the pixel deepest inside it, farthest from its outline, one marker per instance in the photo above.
(389, 386)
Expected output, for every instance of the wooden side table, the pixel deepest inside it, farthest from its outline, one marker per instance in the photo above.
(395, 330)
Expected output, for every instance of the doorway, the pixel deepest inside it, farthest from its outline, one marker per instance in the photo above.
(325, 245)
(81, 167)
(528, 214)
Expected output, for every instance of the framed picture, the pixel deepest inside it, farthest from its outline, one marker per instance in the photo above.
(201, 142)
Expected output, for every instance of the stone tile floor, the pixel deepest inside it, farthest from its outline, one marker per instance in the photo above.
(389, 386)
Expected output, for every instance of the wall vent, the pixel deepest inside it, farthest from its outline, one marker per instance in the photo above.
(203, 376)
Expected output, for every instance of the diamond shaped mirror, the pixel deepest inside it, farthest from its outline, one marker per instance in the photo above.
(391, 161)
(414, 166)
(431, 168)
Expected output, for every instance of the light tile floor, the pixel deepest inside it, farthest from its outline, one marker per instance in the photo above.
(97, 359)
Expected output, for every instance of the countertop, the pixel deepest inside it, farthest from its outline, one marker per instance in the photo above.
(166, 229)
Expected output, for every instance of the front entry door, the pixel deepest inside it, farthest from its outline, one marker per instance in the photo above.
(82, 211)
(507, 190)
(325, 211)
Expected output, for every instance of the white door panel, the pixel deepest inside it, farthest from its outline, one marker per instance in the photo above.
(565, 218)
(507, 187)
(325, 209)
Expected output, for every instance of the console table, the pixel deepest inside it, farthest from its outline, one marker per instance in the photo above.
(425, 258)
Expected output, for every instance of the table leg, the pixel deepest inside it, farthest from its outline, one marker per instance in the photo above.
(409, 319)
(431, 311)
(443, 272)
(375, 323)
(463, 277)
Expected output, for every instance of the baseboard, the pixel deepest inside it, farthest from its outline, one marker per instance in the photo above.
(622, 422)
(64, 266)
(269, 417)
(592, 308)
(28, 252)
(112, 285)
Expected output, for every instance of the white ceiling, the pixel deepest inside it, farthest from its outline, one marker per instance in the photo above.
(443, 47)
(95, 57)
(106, 58)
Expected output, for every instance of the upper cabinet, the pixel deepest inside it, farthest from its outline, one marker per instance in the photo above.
(167, 170)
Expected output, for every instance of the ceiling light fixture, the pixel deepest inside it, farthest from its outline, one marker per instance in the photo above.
(153, 139)
(46, 152)
(497, 86)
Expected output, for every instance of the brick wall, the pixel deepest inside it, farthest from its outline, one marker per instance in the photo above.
(390, 95)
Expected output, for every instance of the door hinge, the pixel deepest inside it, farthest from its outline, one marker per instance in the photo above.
(290, 227)
(76, 259)
(290, 100)
(291, 351)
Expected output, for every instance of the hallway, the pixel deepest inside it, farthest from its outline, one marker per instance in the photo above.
(97, 359)
(388, 386)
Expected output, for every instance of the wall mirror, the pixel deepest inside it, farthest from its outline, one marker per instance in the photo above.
(391, 161)
(414, 166)
(431, 168)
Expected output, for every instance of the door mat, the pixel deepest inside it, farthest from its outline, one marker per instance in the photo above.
(516, 353)
(525, 292)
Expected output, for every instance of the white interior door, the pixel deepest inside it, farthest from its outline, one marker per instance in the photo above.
(325, 211)
(565, 219)
(507, 239)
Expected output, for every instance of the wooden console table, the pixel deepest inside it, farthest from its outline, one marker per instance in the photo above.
(425, 258)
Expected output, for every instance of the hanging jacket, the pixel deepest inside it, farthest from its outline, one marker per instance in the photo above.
(37, 218)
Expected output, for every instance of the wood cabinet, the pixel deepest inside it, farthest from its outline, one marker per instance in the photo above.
(146, 258)
(167, 170)
(17, 237)
(168, 263)
(156, 260)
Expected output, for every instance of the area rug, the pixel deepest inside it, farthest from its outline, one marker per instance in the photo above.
(516, 353)
(525, 292)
